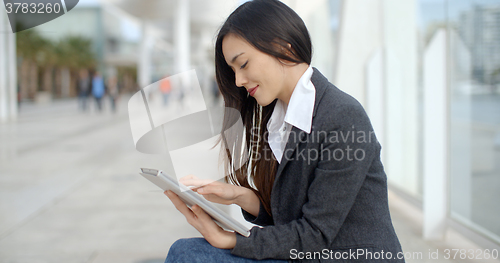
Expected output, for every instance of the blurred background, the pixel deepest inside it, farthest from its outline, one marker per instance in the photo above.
(426, 71)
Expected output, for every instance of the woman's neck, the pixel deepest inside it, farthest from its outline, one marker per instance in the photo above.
(293, 75)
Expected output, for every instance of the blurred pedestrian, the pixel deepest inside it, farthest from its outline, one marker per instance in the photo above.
(83, 89)
(98, 89)
(113, 92)
(165, 89)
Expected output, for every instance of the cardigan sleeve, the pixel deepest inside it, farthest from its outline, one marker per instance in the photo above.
(331, 193)
(262, 219)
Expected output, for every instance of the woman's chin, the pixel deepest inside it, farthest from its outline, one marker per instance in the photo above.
(263, 103)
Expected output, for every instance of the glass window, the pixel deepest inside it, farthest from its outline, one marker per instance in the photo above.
(474, 46)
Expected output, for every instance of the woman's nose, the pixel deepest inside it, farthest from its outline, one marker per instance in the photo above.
(241, 79)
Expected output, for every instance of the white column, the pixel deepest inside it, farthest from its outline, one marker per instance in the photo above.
(397, 171)
(435, 137)
(375, 95)
(4, 98)
(316, 16)
(12, 67)
(144, 58)
(182, 37)
(361, 22)
(401, 94)
(461, 168)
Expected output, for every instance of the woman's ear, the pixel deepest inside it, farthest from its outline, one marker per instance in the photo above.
(290, 52)
(285, 49)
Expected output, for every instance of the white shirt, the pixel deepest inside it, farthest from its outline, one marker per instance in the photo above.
(299, 114)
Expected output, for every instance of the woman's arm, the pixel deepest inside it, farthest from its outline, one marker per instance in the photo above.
(221, 193)
(224, 193)
(200, 220)
(248, 201)
(331, 194)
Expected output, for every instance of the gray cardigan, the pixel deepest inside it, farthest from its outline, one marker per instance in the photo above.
(330, 191)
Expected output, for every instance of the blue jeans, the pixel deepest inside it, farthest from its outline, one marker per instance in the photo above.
(194, 250)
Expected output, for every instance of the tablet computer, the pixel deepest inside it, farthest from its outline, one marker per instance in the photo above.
(166, 182)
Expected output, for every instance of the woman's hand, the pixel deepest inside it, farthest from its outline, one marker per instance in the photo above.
(223, 193)
(200, 220)
(214, 191)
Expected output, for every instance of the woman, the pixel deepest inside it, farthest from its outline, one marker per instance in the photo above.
(316, 181)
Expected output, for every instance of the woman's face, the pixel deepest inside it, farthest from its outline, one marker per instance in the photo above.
(262, 75)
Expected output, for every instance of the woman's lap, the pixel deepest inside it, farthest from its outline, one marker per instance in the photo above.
(199, 250)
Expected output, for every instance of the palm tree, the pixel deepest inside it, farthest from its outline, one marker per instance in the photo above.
(67, 57)
(78, 51)
(74, 53)
(29, 47)
(48, 60)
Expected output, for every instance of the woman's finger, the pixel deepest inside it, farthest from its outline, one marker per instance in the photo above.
(196, 182)
(196, 217)
(210, 189)
(202, 215)
(180, 205)
(205, 222)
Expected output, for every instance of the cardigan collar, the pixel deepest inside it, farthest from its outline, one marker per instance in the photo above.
(321, 84)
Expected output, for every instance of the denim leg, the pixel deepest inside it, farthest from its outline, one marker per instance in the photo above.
(198, 250)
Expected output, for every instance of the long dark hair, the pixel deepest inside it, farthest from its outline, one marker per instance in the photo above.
(275, 29)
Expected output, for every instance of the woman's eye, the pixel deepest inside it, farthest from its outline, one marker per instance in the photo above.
(244, 65)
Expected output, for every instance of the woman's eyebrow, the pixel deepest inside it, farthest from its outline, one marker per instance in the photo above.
(235, 57)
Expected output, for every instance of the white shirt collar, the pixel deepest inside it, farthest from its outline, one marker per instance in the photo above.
(298, 113)
(300, 107)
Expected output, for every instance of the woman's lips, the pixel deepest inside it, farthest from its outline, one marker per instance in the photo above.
(252, 90)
